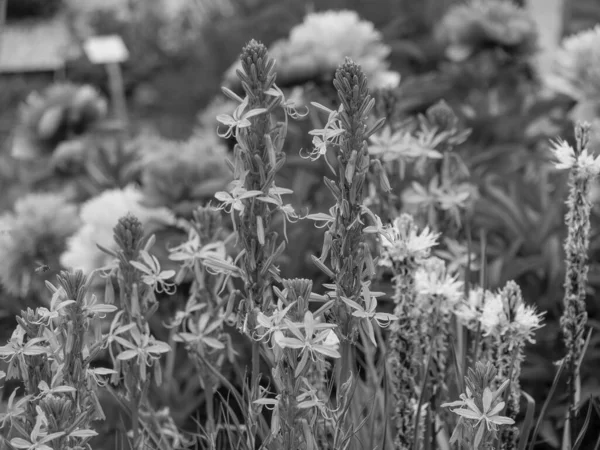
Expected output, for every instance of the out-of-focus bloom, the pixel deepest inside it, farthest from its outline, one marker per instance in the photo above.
(526, 321)
(433, 279)
(59, 113)
(451, 198)
(207, 118)
(33, 236)
(99, 216)
(576, 68)
(457, 256)
(402, 240)
(493, 319)
(480, 24)
(317, 46)
(470, 311)
(401, 147)
(184, 175)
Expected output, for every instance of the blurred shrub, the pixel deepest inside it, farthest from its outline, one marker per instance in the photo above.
(22, 9)
(61, 112)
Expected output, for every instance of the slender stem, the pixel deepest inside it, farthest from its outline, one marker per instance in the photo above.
(255, 362)
(135, 418)
(210, 406)
(170, 363)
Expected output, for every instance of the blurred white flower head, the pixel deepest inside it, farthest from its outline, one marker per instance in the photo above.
(323, 40)
(99, 216)
(493, 318)
(470, 311)
(576, 67)
(526, 321)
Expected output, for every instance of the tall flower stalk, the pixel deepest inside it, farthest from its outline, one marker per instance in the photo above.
(404, 250)
(508, 324)
(200, 325)
(131, 345)
(253, 199)
(583, 169)
(350, 261)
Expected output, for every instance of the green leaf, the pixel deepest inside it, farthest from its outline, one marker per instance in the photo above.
(546, 404)
(585, 426)
(528, 422)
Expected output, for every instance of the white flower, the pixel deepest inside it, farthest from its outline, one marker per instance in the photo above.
(402, 241)
(576, 66)
(192, 250)
(470, 310)
(526, 321)
(433, 280)
(566, 159)
(99, 216)
(401, 147)
(493, 318)
(321, 42)
(564, 153)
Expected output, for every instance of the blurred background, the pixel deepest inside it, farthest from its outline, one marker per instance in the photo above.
(77, 127)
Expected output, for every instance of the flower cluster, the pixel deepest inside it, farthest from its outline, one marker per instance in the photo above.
(576, 69)
(315, 48)
(183, 175)
(481, 24)
(60, 113)
(36, 234)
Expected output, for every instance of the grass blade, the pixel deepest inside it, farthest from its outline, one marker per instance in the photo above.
(546, 404)
(528, 422)
(585, 426)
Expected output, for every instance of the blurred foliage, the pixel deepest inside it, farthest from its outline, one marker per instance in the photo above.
(26, 9)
